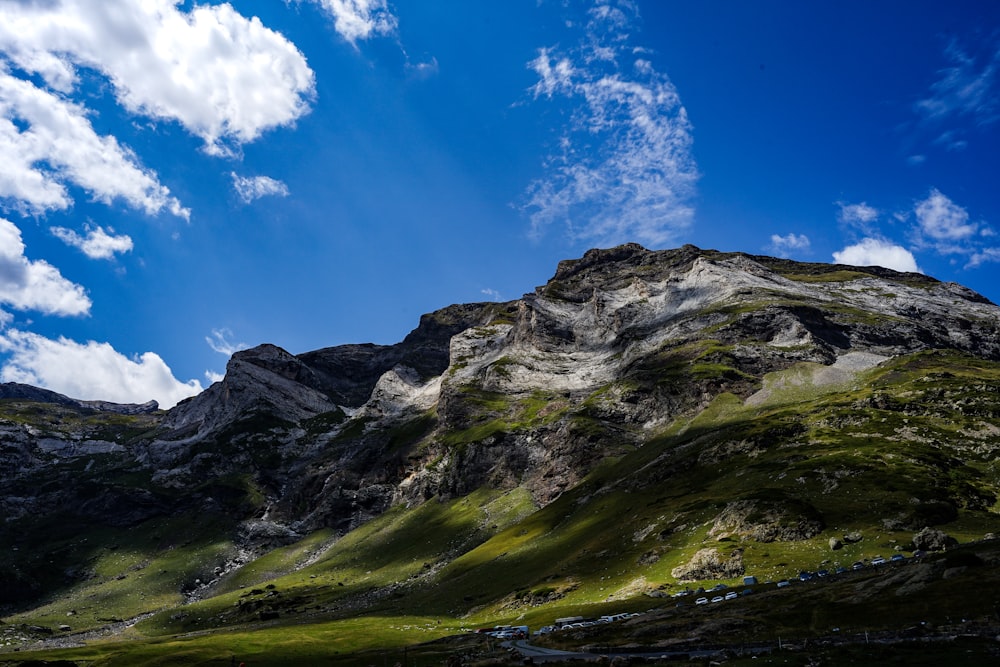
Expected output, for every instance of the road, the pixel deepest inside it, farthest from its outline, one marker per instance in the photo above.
(540, 654)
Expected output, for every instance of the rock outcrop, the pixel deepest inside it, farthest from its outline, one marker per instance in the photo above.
(535, 393)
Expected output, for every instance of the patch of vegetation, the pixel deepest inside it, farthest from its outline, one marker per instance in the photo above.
(904, 444)
(817, 272)
(495, 413)
(125, 571)
(255, 425)
(411, 432)
(833, 276)
(324, 422)
(59, 420)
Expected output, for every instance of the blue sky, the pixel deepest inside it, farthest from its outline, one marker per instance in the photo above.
(181, 180)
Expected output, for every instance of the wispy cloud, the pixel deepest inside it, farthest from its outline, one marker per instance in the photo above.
(968, 87)
(492, 294)
(784, 246)
(623, 169)
(35, 285)
(221, 343)
(98, 243)
(935, 224)
(943, 221)
(90, 371)
(255, 187)
(983, 256)
(964, 96)
(360, 19)
(425, 69)
(877, 252)
(854, 214)
(948, 229)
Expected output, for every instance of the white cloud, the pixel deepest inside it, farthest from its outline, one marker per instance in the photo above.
(90, 371)
(54, 144)
(942, 220)
(224, 77)
(97, 244)
(624, 170)
(877, 252)
(935, 223)
(255, 187)
(857, 215)
(785, 245)
(360, 19)
(214, 377)
(35, 285)
(219, 341)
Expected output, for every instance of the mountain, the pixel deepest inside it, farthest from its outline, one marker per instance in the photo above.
(643, 422)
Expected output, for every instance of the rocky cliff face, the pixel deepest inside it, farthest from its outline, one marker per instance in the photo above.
(535, 393)
(623, 341)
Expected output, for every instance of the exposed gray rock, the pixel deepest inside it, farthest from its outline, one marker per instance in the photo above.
(931, 539)
(14, 390)
(768, 521)
(709, 564)
(534, 393)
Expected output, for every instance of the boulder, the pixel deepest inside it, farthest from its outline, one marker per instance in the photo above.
(708, 564)
(931, 539)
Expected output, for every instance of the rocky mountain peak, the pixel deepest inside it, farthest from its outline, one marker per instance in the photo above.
(665, 390)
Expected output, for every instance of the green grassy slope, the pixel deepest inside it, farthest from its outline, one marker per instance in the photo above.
(909, 444)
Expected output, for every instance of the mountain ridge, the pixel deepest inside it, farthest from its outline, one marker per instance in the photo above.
(703, 411)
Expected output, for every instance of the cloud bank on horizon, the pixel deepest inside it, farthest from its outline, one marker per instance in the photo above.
(168, 166)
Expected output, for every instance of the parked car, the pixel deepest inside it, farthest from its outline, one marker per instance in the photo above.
(718, 598)
(701, 601)
(897, 558)
(732, 595)
(878, 560)
(858, 565)
(783, 583)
